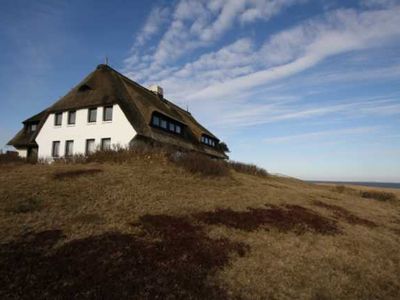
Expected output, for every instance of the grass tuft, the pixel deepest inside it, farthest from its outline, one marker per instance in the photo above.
(25, 206)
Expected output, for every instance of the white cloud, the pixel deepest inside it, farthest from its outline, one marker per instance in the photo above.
(310, 43)
(237, 78)
(306, 137)
(157, 17)
(199, 23)
(379, 3)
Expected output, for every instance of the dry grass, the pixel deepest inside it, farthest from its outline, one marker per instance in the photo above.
(147, 227)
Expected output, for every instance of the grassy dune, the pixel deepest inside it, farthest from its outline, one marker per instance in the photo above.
(148, 228)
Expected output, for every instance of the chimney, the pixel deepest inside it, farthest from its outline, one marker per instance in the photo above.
(158, 90)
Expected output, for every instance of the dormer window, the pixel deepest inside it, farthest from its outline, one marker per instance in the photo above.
(209, 141)
(166, 123)
(84, 88)
(32, 127)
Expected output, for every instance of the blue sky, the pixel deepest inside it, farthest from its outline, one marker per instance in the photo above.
(304, 88)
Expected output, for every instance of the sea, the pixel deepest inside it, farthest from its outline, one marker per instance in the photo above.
(392, 185)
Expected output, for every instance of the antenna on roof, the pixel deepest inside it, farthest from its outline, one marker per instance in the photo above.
(187, 107)
(106, 60)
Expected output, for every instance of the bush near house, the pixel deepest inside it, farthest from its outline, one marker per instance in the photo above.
(10, 157)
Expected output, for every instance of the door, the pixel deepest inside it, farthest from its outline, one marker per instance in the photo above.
(32, 154)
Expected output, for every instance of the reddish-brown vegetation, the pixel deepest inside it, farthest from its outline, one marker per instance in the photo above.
(286, 218)
(341, 213)
(171, 259)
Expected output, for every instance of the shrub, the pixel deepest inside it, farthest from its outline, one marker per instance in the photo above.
(247, 169)
(340, 188)
(75, 173)
(11, 157)
(378, 195)
(200, 164)
(26, 205)
(120, 154)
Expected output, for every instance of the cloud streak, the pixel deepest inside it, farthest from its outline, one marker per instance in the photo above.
(307, 137)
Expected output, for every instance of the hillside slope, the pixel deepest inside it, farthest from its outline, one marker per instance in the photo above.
(149, 229)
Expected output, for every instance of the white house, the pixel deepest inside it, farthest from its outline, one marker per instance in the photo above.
(107, 109)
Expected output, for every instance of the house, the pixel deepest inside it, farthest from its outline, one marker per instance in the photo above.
(106, 109)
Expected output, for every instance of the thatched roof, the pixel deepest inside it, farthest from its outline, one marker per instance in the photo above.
(105, 86)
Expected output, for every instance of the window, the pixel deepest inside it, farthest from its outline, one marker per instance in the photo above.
(166, 124)
(156, 121)
(92, 115)
(55, 149)
(69, 145)
(90, 146)
(71, 117)
(32, 127)
(107, 113)
(178, 129)
(105, 144)
(57, 119)
(208, 141)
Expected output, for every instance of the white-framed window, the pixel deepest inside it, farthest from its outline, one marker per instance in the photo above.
(55, 149)
(58, 119)
(107, 113)
(69, 148)
(71, 117)
(90, 146)
(105, 144)
(92, 115)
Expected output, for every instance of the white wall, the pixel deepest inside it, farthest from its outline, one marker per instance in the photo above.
(119, 130)
(22, 152)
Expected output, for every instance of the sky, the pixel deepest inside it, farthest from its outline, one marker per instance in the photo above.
(304, 88)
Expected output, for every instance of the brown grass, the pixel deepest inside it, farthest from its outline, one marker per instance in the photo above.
(235, 237)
